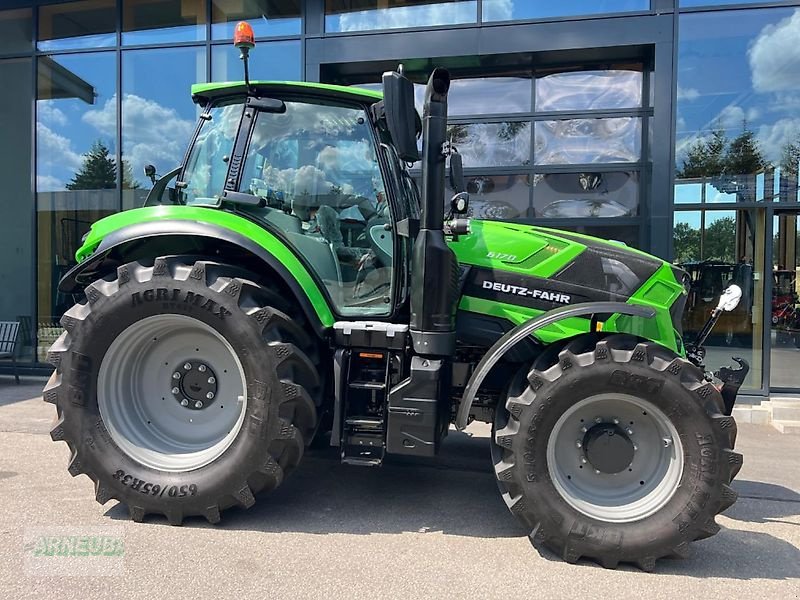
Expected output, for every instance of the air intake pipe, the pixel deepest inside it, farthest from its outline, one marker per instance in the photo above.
(434, 271)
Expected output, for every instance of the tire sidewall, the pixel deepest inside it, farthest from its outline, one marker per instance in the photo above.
(698, 491)
(89, 342)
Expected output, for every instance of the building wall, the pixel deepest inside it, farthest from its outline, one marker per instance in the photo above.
(96, 89)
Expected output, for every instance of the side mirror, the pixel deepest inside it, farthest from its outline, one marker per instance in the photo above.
(150, 171)
(457, 173)
(401, 116)
(730, 298)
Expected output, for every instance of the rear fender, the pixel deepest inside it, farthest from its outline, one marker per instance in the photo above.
(264, 251)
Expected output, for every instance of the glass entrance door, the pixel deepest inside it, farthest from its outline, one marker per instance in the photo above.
(785, 305)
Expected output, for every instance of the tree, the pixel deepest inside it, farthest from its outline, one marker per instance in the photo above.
(98, 172)
(719, 240)
(790, 157)
(129, 182)
(687, 243)
(705, 157)
(744, 155)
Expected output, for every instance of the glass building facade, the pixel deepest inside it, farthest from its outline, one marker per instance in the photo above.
(670, 125)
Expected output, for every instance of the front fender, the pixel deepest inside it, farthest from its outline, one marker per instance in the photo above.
(161, 221)
(522, 331)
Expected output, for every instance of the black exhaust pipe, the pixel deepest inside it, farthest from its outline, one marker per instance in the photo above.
(434, 275)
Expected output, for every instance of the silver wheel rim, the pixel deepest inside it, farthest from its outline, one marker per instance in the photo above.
(142, 400)
(637, 491)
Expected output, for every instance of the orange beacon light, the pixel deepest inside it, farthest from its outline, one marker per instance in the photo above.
(243, 36)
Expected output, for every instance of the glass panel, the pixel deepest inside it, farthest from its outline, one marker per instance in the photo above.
(158, 118)
(738, 92)
(158, 21)
(589, 90)
(207, 165)
(501, 197)
(571, 195)
(577, 141)
(277, 61)
(318, 162)
(16, 31)
(688, 192)
(508, 10)
(76, 168)
(16, 203)
(492, 144)
(362, 15)
(685, 3)
(718, 248)
(489, 95)
(785, 332)
(267, 17)
(84, 24)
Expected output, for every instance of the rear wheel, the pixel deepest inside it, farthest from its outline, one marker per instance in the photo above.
(182, 389)
(615, 450)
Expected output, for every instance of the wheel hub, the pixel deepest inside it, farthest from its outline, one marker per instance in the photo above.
(194, 385)
(608, 448)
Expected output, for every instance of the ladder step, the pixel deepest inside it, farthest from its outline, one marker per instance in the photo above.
(366, 385)
(372, 424)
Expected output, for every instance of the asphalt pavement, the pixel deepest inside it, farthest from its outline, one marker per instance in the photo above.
(416, 529)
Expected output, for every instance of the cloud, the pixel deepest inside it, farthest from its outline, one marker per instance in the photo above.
(408, 16)
(688, 93)
(775, 56)
(55, 154)
(151, 133)
(498, 10)
(48, 113)
(49, 183)
(774, 137)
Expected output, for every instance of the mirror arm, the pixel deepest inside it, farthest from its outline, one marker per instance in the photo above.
(154, 196)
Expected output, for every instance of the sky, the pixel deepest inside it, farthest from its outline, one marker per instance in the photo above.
(736, 68)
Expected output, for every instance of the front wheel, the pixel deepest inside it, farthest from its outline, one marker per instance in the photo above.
(182, 389)
(615, 450)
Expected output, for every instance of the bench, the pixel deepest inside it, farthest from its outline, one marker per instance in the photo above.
(8, 343)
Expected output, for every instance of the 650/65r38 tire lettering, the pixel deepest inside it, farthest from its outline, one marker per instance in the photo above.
(615, 450)
(182, 389)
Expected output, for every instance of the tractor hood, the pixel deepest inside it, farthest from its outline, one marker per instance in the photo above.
(538, 269)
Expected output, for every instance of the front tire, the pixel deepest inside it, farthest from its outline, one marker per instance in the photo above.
(615, 450)
(181, 389)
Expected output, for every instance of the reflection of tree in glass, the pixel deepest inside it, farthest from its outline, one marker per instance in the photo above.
(687, 243)
(99, 171)
(790, 157)
(716, 155)
(718, 241)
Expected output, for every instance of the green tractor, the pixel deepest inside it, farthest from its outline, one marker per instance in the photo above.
(293, 285)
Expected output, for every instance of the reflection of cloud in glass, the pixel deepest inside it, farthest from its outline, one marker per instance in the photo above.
(426, 15)
(492, 144)
(151, 133)
(775, 56)
(54, 152)
(586, 90)
(576, 141)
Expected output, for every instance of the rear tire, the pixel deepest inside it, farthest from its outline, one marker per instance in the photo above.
(181, 389)
(591, 504)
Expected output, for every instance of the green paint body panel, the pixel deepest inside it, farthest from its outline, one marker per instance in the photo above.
(200, 89)
(543, 252)
(220, 218)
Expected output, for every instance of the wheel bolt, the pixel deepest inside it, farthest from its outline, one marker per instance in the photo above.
(635, 447)
(584, 430)
(578, 444)
(184, 402)
(597, 471)
(176, 375)
(598, 420)
(210, 395)
(187, 367)
(202, 368)
(616, 421)
(175, 390)
(198, 404)
(667, 442)
(212, 380)
(583, 460)
(629, 431)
